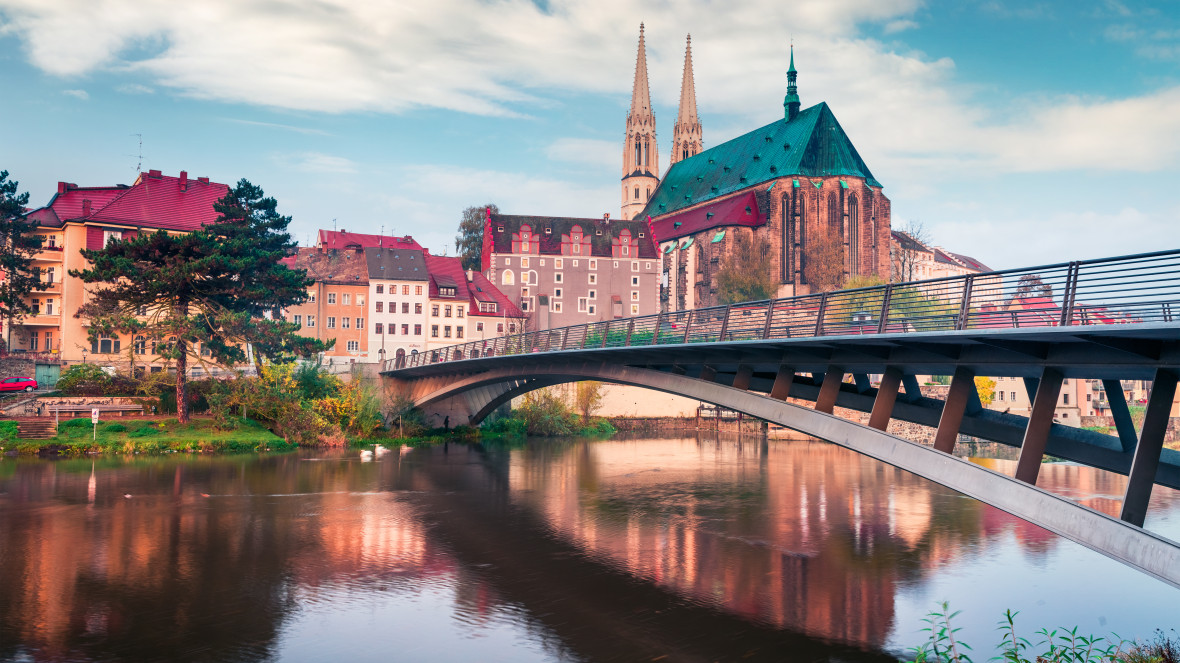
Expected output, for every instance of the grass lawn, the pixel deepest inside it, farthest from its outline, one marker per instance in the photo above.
(147, 436)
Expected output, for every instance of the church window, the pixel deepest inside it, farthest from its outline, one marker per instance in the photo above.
(801, 234)
(637, 151)
(636, 193)
(834, 220)
(788, 240)
(649, 194)
(507, 278)
(853, 234)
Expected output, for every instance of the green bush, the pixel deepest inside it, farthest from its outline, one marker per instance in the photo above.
(91, 380)
(74, 423)
(144, 431)
(8, 430)
(114, 428)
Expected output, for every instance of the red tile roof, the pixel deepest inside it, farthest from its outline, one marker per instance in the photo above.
(342, 239)
(154, 201)
(739, 210)
(449, 272)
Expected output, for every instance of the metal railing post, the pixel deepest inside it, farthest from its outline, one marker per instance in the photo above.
(687, 326)
(724, 323)
(655, 337)
(606, 333)
(883, 321)
(965, 307)
(1071, 291)
(630, 328)
(769, 318)
(585, 333)
(819, 319)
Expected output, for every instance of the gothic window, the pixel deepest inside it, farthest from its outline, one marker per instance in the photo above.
(853, 234)
(636, 193)
(801, 239)
(637, 152)
(788, 240)
(834, 215)
(649, 194)
(507, 278)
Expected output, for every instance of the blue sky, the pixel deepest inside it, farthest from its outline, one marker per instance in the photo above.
(1016, 132)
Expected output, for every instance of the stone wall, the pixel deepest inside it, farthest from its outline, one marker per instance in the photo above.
(15, 367)
(39, 406)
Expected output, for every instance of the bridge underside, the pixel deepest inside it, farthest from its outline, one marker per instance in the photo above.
(814, 369)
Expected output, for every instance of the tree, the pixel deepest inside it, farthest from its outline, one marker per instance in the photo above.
(469, 241)
(587, 398)
(746, 273)
(986, 388)
(906, 253)
(18, 276)
(823, 264)
(207, 287)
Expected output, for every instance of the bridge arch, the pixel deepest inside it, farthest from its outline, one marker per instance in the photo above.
(1121, 541)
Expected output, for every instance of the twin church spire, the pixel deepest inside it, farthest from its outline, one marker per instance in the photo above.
(641, 156)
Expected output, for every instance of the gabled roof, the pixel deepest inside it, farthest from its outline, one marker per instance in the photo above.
(599, 231)
(970, 263)
(908, 243)
(813, 144)
(69, 202)
(396, 264)
(447, 271)
(343, 268)
(482, 290)
(342, 239)
(154, 201)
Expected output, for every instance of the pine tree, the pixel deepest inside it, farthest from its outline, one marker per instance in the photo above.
(18, 276)
(469, 241)
(202, 294)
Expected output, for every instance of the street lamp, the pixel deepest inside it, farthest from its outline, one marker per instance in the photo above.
(83, 355)
(381, 357)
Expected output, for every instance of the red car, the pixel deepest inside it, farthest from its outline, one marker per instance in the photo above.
(18, 384)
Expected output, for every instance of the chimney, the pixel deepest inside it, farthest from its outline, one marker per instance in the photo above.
(606, 217)
(470, 275)
(184, 180)
(86, 207)
(61, 187)
(155, 174)
(203, 180)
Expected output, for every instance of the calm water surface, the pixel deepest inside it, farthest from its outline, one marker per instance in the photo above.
(685, 549)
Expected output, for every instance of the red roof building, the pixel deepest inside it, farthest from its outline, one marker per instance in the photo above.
(342, 239)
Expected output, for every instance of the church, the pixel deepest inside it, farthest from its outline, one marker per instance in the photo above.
(795, 185)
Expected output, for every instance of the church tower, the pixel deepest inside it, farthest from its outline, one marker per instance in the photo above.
(641, 158)
(686, 134)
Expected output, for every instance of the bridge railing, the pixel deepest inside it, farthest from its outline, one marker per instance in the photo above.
(1133, 289)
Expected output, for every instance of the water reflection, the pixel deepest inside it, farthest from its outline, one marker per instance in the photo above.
(690, 549)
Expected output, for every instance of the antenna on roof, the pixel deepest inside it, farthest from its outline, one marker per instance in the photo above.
(381, 242)
(333, 225)
(139, 164)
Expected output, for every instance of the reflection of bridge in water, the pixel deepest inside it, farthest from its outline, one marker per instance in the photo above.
(1109, 319)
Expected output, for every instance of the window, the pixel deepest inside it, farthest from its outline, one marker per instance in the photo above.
(53, 241)
(405, 289)
(446, 311)
(36, 306)
(557, 277)
(646, 265)
(331, 298)
(616, 265)
(581, 304)
(380, 289)
(345, 322)
(311, 296)
(511, 327)
(590, 309)
(593, 278)
(49, 275)
(524, 262)
(460, 312)
(1001, 395)
(1065, 399)
(447, 331)
(636, 193)
(635, 281)
(593, 294)
(635, 309)
(109, 236)
(479, 326)
(393, 307)
(381, 307)
(499, 327)
(634, 295)
(434, 310)
(379, 328)
(48, 307)
(557, 293)
(140, 346)
(459, 331)
(542, 259)
(433, 331)
(1014, 395)
(508, 261)
(593, 264)
(347, 301)
(557, 307)
(331, 322)
(507, 278)
(48, 337)
(487, 307)
(417, 290)
(575, 263)
(310, 321)
(354, 346)
(635, 265)
(558, 263)
(417, 308)
(360, 300)
(104, 345)
(360, 323)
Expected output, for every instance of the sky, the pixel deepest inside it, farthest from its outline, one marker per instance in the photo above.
(1019, 133)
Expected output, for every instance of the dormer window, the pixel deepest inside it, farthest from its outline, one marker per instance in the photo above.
(446, 291)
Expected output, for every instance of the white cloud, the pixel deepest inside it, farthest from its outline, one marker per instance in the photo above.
(598, 153)
(315, 162)
(135, 88)
(275, 125)
(77, 94)
(900, 25)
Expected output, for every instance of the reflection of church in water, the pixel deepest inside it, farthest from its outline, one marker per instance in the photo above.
(793, 182)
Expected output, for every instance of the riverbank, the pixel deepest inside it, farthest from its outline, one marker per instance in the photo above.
(76, 437)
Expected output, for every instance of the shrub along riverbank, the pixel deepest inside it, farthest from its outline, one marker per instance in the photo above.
(78, 436)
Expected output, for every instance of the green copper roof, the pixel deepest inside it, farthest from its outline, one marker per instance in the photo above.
(811, 145)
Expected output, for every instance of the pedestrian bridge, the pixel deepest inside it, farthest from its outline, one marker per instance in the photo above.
(1107, 320)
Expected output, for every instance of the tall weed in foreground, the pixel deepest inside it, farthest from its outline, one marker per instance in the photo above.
(1053, 646)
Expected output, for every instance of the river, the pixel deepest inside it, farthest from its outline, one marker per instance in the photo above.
(691, 549)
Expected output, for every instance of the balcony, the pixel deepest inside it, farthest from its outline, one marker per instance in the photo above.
(41, 320)
(50, 254)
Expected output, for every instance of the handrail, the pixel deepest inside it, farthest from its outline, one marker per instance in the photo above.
(1133, 289)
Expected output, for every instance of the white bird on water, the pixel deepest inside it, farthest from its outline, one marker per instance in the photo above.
(380, 451)
(366, 456)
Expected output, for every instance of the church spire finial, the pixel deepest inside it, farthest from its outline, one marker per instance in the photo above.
(791, 101)
(686, 134)
(641, 158)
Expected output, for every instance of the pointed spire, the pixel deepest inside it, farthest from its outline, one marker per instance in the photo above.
(640, 95)
(791, 101)
(686, 134)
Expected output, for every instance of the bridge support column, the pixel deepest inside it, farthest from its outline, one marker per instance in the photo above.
(742, 379)
(1120, 413)
(957, 397)
(708, 373)
(782, 382)
(1040, 420)
(886, 397)
(1147, 452)
(830, 389)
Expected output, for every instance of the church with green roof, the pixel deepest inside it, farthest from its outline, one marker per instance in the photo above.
(797, 184)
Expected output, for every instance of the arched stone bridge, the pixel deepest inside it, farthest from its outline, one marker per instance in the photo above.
(1110, 320)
